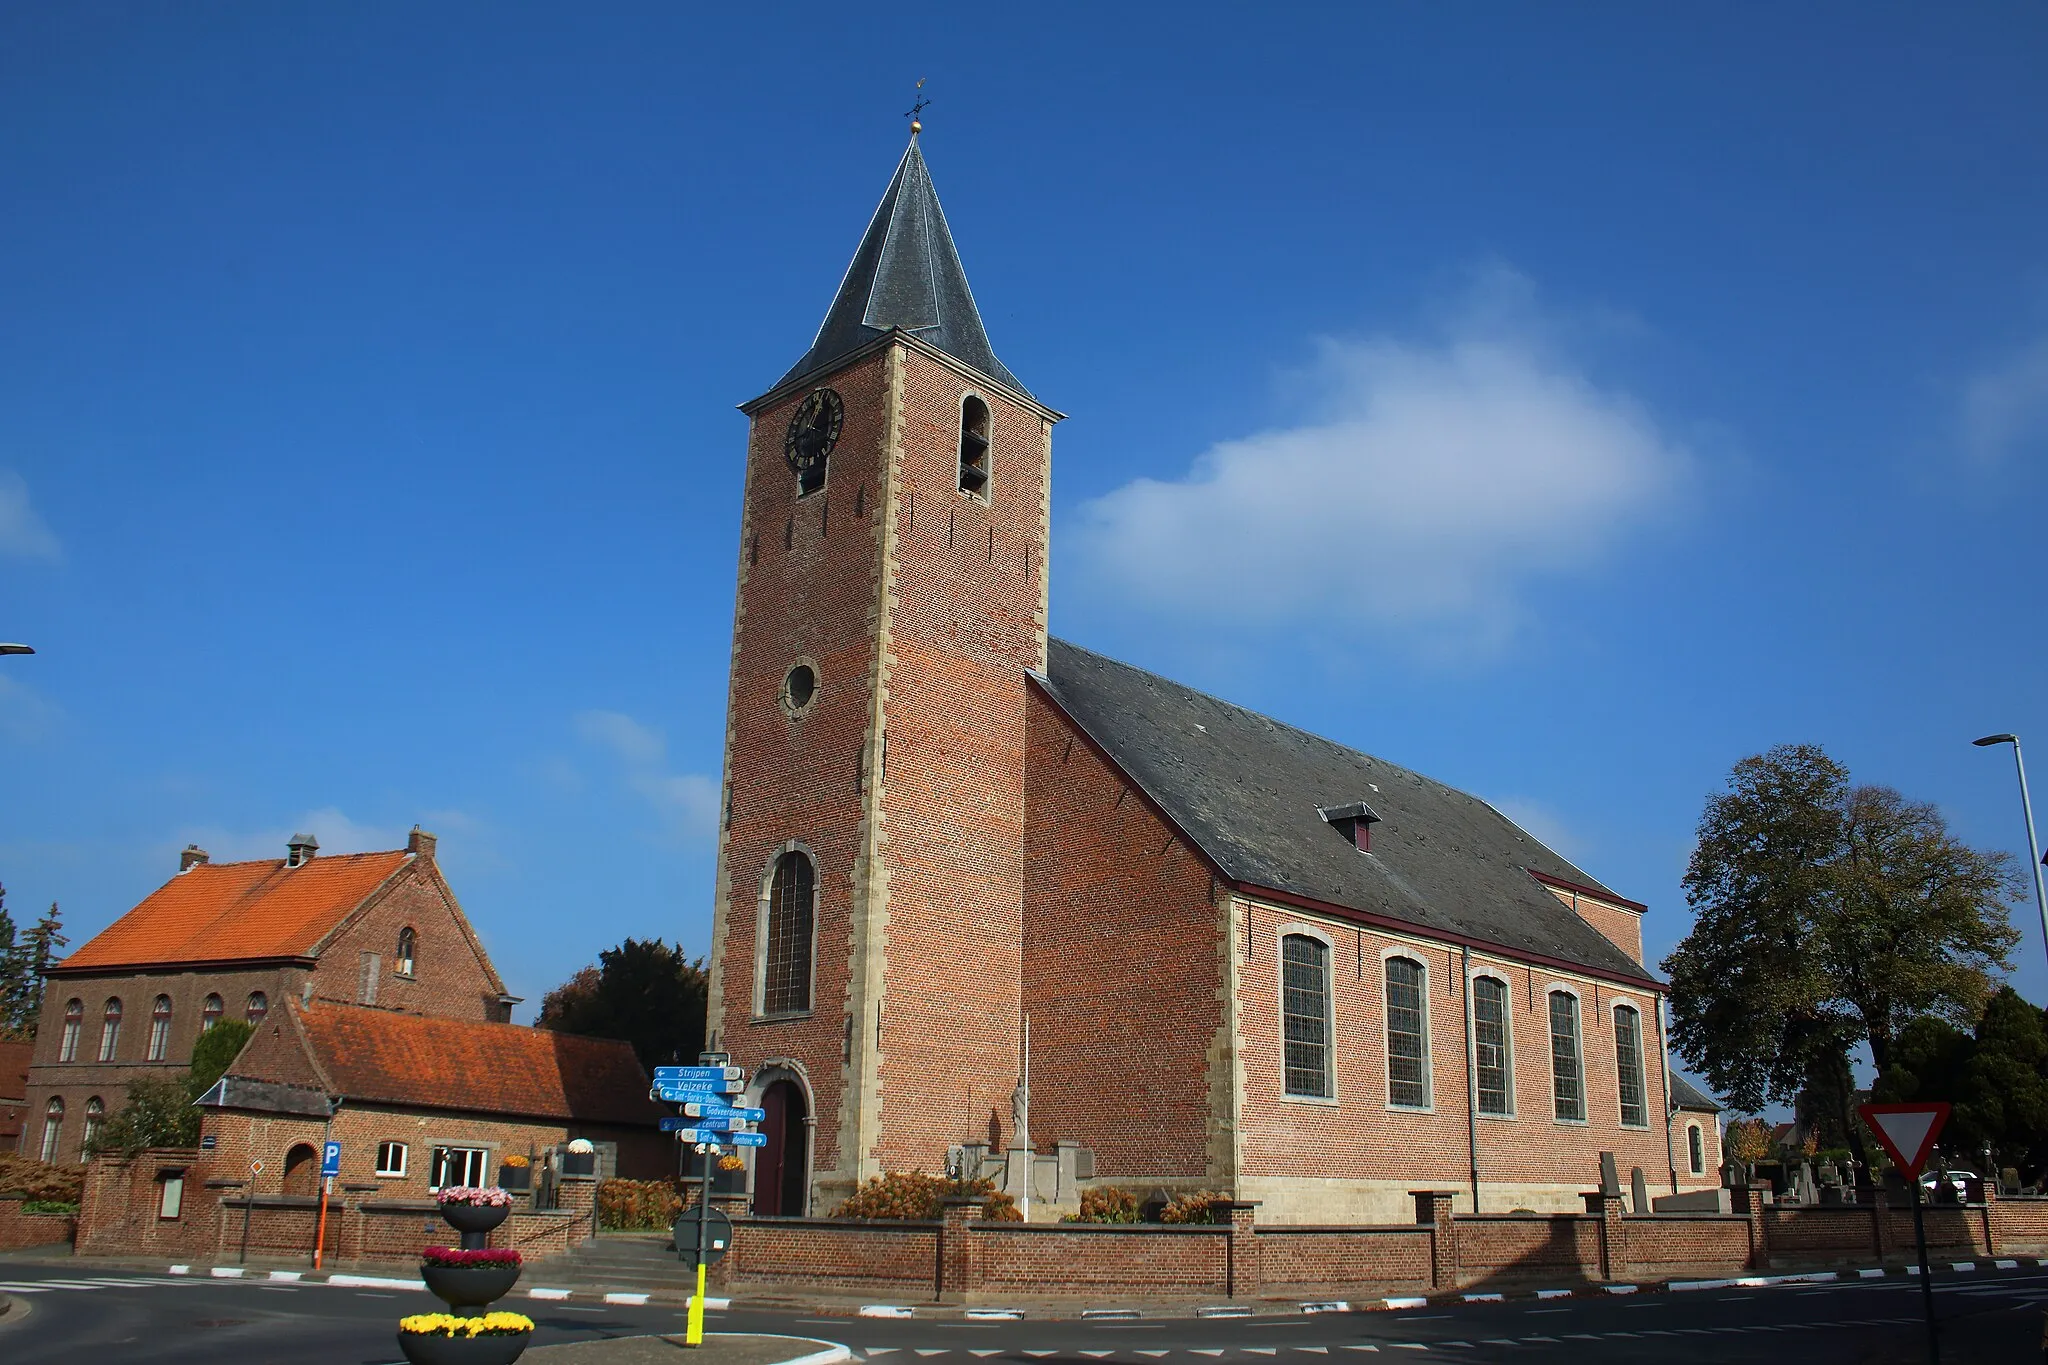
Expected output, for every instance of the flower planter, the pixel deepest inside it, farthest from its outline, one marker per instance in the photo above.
(475, 1287)
(518, 1179)
(475, 1217)
(424, 1348)
(579, 1163)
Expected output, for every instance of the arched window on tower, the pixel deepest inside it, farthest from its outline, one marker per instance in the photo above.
(408, 944)
(786, 940)
(974, 447)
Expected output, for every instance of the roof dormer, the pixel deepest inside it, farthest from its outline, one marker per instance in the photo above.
(1354, 821)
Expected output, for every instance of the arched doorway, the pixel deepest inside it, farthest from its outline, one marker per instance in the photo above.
(302, 1170)
(781, 1172)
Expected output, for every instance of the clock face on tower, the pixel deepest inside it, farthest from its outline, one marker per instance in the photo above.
(813, 429)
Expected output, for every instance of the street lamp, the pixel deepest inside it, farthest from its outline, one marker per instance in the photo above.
(2026, 806)
(16, 649)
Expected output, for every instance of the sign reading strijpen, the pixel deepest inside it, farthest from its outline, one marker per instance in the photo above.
(706, 1077)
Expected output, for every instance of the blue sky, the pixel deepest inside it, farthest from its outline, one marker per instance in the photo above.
(1563, 401)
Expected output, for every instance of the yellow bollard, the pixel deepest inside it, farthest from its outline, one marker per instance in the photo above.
(696, 1332)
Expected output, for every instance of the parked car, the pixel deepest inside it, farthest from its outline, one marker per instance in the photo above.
(1945, 1186)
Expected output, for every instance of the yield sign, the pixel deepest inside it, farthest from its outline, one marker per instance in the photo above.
(1906, 1130)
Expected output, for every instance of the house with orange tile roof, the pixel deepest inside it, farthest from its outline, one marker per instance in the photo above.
(235, 941)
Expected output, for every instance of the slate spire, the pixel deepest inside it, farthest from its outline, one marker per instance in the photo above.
(906, 275)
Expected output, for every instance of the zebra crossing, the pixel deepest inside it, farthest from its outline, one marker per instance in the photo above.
(88, 1284)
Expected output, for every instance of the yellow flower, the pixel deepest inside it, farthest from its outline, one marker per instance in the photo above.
(447, 1324)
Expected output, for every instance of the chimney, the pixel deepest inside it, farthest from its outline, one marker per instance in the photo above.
(299, 850)
(1353, 821)
(192, 857)
(421, 843)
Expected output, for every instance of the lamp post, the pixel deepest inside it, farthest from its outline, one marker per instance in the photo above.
(2026, 806)
(16, 649)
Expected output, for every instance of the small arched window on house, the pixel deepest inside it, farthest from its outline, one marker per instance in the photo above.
(1628, 1066)
(974, 432)
(1491, 1046)
(160, 1029)
(210, 1012)
(53, 1129)
(1407, 1035)
(110, 1028)
(1305, 1015)
(1567, 1069)
(1695, 1149)
(408, 944)
(786, 945)
(74, 1024)
(95, 1119)
(258, 1006)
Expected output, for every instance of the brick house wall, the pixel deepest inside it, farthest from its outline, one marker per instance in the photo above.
(453, 978)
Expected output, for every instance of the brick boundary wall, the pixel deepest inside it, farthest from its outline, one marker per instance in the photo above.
(18, 1229)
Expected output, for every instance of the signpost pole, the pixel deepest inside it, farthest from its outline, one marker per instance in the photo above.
(695, 1335)
(1926, 1282)
(248, 1203)
(320, 1235)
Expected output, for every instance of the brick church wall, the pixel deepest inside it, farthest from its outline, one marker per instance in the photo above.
(1121, 976)
(452, 979)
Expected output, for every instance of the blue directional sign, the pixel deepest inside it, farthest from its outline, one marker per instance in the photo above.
(715, 1135)
(718, 1123)
(710, 1110)
(707, 1077)
(670, 1093)
(330, 1159)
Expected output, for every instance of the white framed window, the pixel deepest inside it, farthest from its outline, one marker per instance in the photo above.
(257, 1006)
(1407, 1033)
(210, 1012)
(391, 1160)
(160, 1029)
(74, 1023)
(1695, 1149)
(1493, 1047)
(95, 1119)
(170, 1200)
(1628, 1066)
(1567, 1060)
(408, 948)
(1305, 1016)
(53, 1129)
(459, 1166)
(110, 1028)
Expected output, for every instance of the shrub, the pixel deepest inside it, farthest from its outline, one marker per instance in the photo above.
(33, 1180)
(1190, 1208)
(1107, 1204)
(638, 1204)
(47, 1206)
(914, 1196)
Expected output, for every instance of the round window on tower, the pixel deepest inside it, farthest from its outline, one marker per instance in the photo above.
(799, 687)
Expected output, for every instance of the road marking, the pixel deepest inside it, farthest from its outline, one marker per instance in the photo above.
(1154, 1354)
(885, 1350)
(1229, 1310)
(1407, 1302)
(1407, 1346)
(1200, 1351)
(226, 1272)
(287, 1276)
(1262, 1350)
(1097, 1355)
(576, 1308)
(995, 1314)
(372, 1294)
(886, 1310)
(1319, 1350)
(1360, 1346)
(542, 1292)
(1553, 1293)
(1109, 1314)
(2007, 1265)
(43, 1289)
(1484, 1298)
(626, 1298)
(1870, 1274)
(1539, 1312)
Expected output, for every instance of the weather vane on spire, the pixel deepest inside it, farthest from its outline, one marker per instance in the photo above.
(911, 113)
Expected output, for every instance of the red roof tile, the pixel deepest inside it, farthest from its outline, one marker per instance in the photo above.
(227, 912)
(380, 1056)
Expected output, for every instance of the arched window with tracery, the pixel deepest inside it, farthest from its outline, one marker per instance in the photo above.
(1628, 1067)
(53, 1129)
(258, 1006)
(1696, 1149)
(408, 945)
(786, 945)
(1407, 1034)
(210, 1012)
(110, 1028)
(95, 1119)
(1305, 1016)
(1492, 1045)
(160, 1029)
(74, 1024)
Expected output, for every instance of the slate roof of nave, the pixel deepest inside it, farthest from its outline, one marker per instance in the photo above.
(1248, 790)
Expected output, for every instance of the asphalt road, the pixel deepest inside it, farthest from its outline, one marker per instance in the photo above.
(1989, 1316)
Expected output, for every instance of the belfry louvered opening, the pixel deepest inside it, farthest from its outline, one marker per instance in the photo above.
(974, 443)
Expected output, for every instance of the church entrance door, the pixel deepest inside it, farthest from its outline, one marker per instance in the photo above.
(779, 1183)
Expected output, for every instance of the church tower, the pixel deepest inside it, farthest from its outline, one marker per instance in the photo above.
(866, 955)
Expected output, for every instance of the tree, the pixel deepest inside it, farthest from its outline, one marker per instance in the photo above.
(644, 992)
(25, 959)
(159, 1111)
(1826, 915)
(1996, 1077)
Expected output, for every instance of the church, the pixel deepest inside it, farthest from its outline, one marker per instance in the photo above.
(988, 899)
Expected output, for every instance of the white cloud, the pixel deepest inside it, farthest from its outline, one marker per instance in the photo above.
(23, 534)
(1427, 482)
(686, 803)
(336, 832)
(2006, 406)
